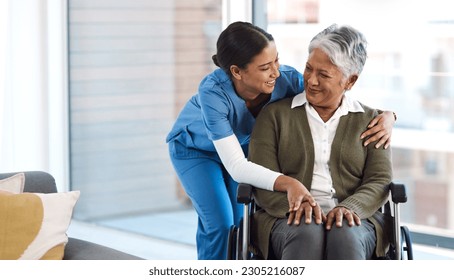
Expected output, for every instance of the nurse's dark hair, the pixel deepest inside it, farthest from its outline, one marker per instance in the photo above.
(238, 44)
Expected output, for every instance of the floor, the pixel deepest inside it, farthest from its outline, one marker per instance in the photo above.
(171, 236)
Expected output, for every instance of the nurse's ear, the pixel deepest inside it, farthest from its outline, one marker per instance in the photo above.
(236, 72)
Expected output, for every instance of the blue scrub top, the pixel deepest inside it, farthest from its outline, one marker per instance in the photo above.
(216, 111)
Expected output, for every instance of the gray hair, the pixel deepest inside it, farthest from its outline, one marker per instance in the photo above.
(345, 46)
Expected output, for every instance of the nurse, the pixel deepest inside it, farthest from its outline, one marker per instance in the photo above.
(208, 144)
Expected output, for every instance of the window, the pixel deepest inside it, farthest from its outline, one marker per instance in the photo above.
(132, 66)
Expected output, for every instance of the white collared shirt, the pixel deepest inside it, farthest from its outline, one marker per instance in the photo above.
(322, 188)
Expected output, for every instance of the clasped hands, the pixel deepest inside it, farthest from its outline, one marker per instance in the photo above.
(309, 209)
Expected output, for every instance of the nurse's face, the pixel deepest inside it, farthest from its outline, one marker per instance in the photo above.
(260, 74)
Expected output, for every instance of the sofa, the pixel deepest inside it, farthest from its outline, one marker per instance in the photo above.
(39, 183)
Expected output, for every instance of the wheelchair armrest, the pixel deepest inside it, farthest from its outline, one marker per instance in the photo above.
(398, 193)
(244, 193)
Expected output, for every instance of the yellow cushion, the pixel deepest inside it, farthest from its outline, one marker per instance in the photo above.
(33, 225)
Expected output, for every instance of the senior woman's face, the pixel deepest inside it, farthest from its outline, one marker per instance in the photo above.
(323, 82)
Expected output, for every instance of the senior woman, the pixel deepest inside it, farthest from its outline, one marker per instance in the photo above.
(314, 137)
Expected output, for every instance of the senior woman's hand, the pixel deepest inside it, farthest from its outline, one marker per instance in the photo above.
(380, 128)
(338, 214)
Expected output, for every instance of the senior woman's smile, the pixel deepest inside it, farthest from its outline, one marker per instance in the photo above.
(323, 81)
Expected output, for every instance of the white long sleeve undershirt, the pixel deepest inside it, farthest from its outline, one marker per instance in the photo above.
(242, 170)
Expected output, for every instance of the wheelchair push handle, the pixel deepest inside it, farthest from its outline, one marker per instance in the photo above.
(244, 193)
(398, 193)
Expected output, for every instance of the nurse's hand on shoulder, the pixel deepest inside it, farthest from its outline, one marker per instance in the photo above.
(380, 129)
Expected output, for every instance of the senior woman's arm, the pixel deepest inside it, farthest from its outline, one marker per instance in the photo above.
(372, 193)
(362, 173)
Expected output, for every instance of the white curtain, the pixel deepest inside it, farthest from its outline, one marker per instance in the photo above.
(33, 91)
(4, 19)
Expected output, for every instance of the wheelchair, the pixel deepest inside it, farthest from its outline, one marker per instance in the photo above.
(400, 243)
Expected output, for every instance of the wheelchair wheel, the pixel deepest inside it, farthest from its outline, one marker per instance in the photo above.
(235, 243)
(406, 243)
(232, 243)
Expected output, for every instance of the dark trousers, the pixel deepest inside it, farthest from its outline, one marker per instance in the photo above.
(314, 242)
